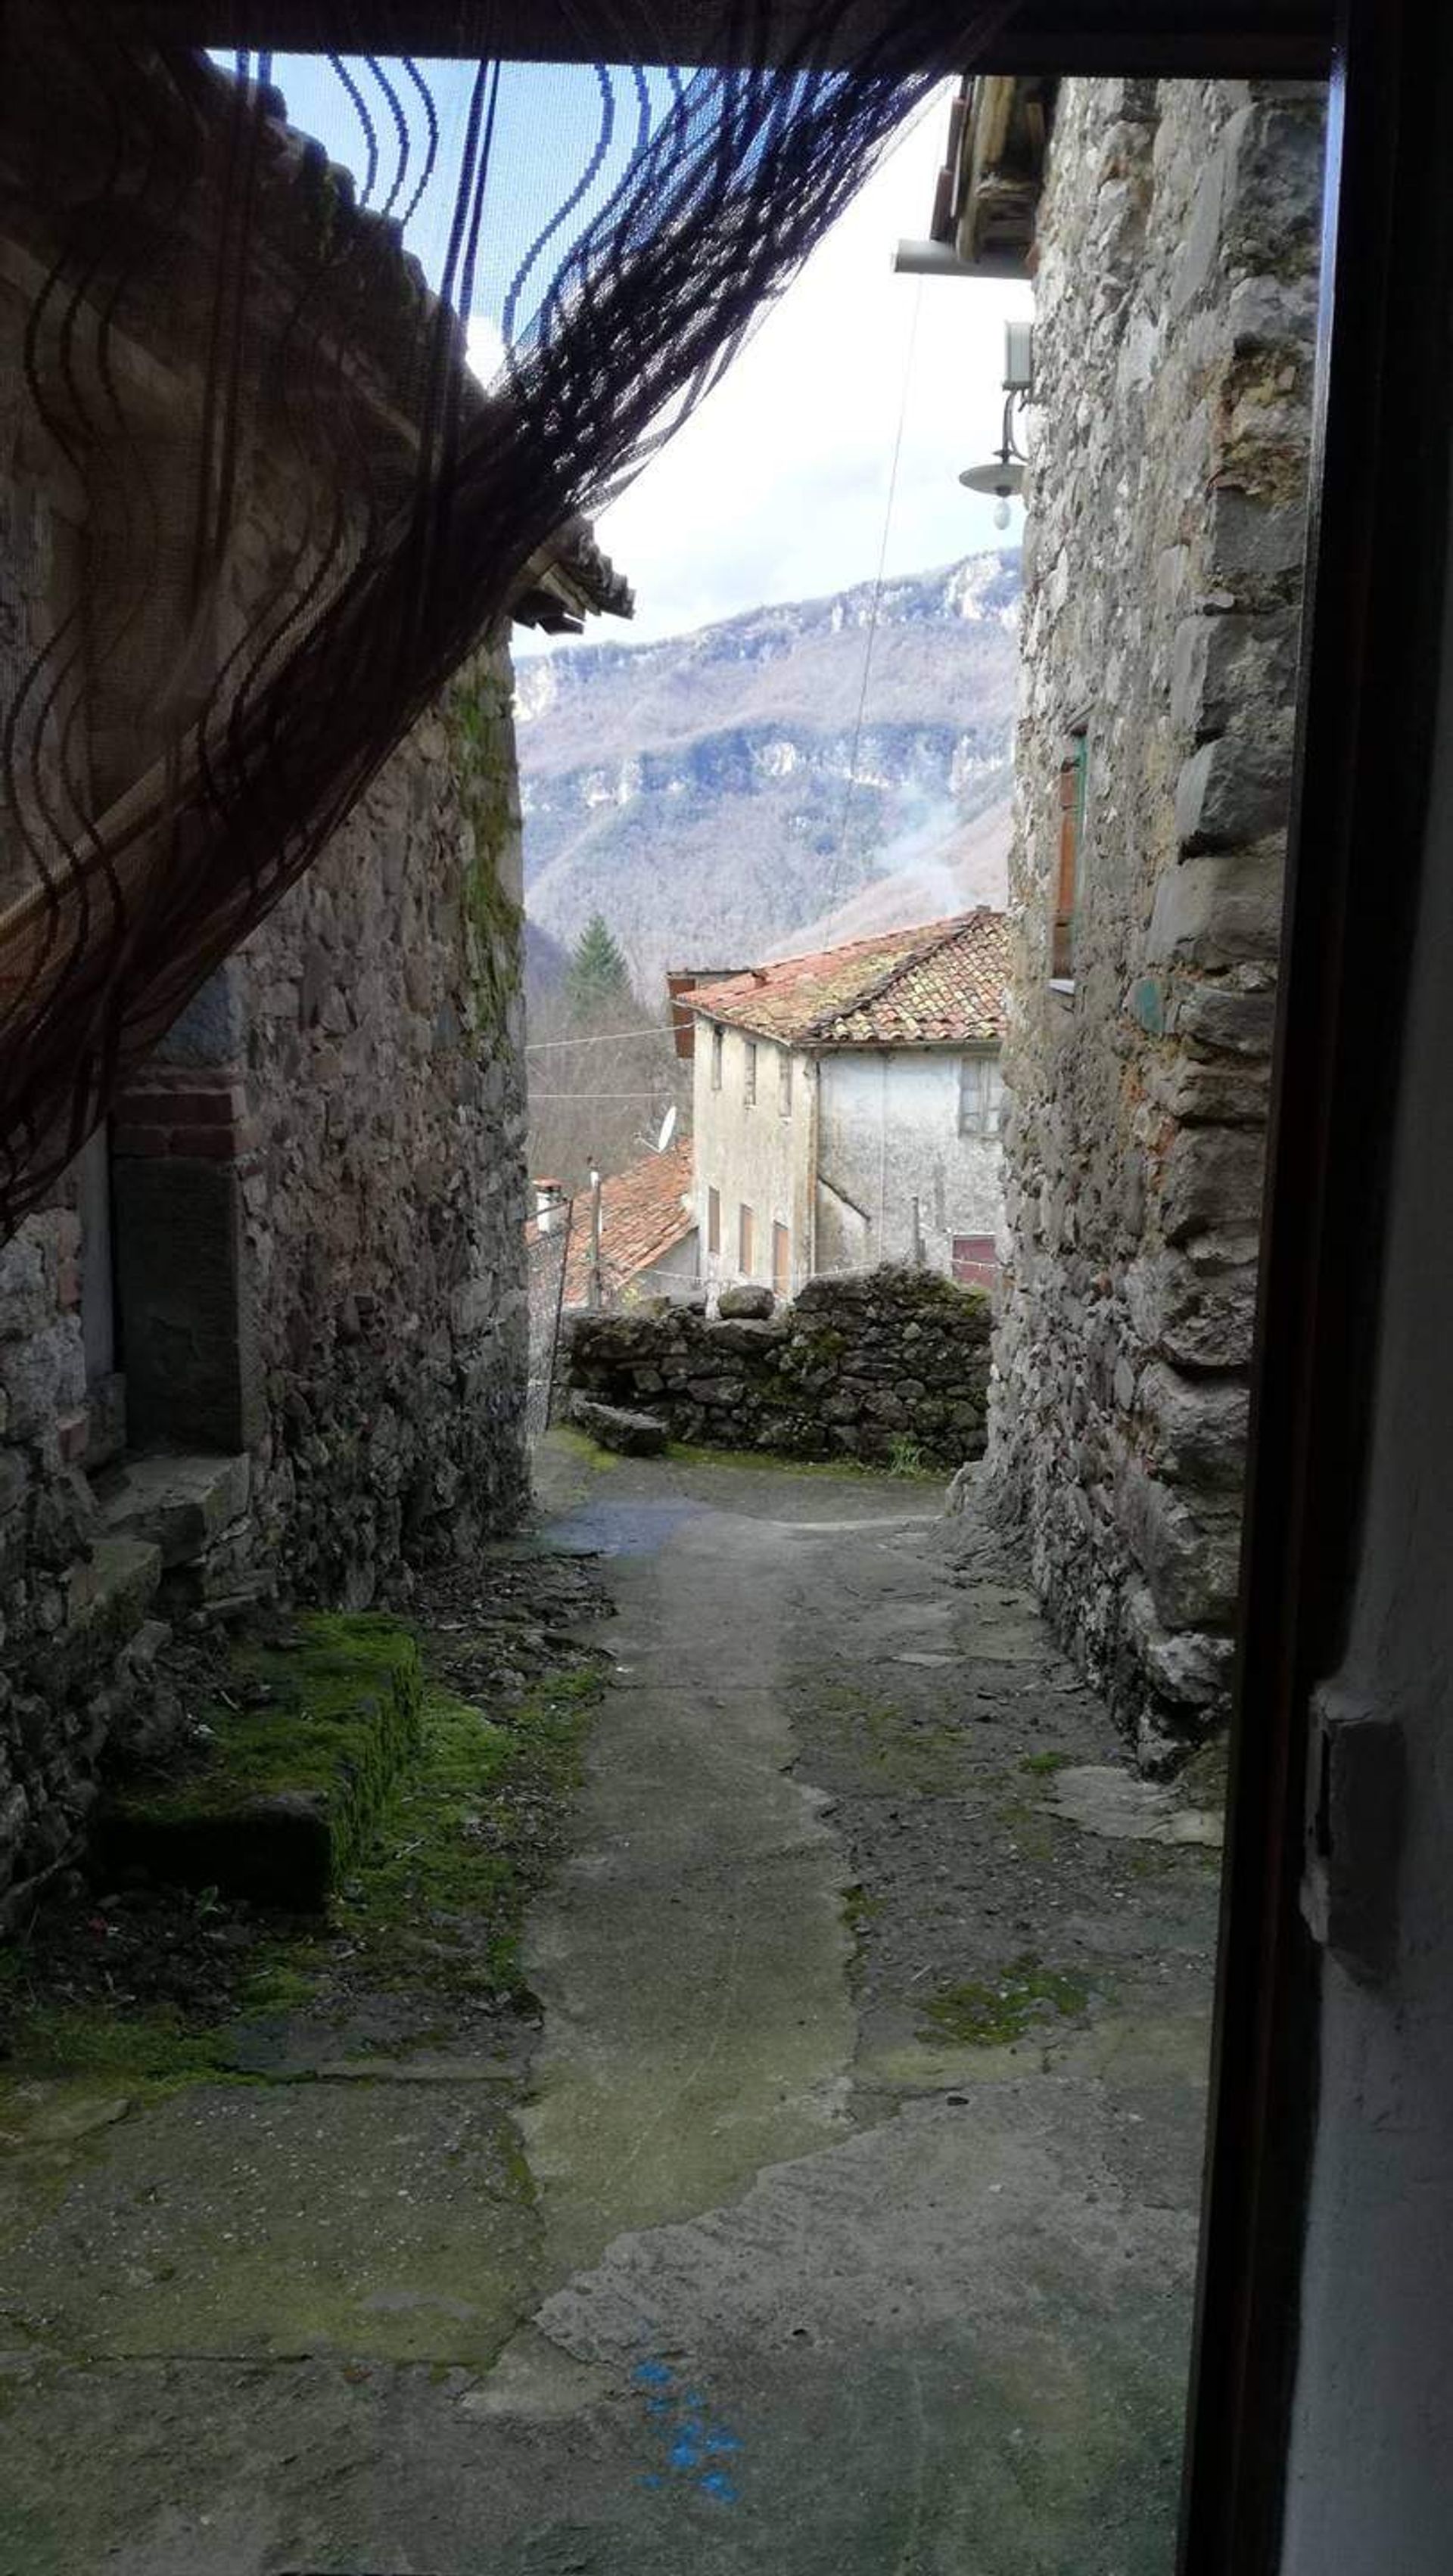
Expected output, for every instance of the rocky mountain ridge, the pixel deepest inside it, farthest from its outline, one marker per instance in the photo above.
(696, 791)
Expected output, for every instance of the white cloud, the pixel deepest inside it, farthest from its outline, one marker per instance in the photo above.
(483, 346)
(777, 489)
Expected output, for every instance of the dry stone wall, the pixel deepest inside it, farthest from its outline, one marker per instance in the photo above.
(1176, 290)
(863, 1365)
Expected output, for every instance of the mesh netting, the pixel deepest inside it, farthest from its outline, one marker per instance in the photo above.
(259, 506)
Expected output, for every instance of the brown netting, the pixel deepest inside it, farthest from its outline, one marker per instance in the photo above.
(255, 508)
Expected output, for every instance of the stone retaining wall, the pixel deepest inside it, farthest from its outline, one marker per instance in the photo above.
(855, 1367)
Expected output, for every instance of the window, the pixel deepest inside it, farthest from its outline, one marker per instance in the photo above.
(975, 1264)
(781, 1259)
(716, 1059)
(1072, 777)
(784, 1081)
(981, 1095)
(713, 1220)
(746, 1240)
(751, 1072)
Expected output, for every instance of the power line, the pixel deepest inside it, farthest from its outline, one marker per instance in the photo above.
(841, 849)
(607, 1037)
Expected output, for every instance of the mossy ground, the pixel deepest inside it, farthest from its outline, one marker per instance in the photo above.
(446, 1856)
(334, 1713)
(912, 1750)
(469, 1836)
(982, 2014)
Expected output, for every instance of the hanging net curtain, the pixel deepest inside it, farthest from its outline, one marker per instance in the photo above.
(255, 504)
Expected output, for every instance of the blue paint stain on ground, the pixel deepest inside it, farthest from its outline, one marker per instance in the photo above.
(696, 2443)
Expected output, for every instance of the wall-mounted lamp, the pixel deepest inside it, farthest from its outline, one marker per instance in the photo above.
(1004, 474)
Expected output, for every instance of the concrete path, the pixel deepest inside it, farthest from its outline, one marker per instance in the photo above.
(845, 2220)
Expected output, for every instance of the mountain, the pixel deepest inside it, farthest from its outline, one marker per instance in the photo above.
(545, 960)
(695, 791)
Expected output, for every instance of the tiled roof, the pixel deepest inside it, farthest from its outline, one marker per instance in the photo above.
(939, 985)
(643, 1212)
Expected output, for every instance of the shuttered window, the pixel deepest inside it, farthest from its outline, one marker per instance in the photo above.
(746, 1240)
(975, 1262)
(781, 1259)
(713, 1220)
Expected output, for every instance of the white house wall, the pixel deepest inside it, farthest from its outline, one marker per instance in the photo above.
(888, 1133)
(752, 1154)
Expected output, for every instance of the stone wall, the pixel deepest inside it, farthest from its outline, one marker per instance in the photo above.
(318, 1194)
(1176, 288)
(77, 1643)
(385, 1195)
(299, 1257)
(856, 1366)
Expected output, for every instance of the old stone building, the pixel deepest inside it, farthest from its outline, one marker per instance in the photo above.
(271, 1331)
(1172, 231)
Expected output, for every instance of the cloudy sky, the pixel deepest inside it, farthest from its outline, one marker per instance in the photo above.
(778, 488)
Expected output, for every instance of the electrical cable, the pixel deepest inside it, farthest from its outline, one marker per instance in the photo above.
(840, 851)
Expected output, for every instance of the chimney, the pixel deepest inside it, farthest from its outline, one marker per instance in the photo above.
(549, 1205)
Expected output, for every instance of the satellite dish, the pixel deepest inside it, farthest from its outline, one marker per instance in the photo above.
(668, 1129)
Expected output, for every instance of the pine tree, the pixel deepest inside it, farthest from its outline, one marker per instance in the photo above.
(597, 978)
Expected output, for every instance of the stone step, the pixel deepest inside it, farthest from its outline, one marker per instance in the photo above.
(180, 1503)
(635, 1435)
(281, 1797)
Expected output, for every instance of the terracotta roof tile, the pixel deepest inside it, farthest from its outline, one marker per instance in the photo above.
(939, 985)
(643, 1212)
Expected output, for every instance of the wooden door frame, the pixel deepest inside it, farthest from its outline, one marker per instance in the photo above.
(1370, 657)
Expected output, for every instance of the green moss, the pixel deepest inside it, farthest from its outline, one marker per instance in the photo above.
(927, 1757)
(859, 1910)
(151, 2053)
(1044, 1765)
(334, 1715)
(468, 1837)
(1032, 1829)
(988, 2016)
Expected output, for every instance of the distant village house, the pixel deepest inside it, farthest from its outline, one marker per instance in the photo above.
(645, 1242)
(847, 1107)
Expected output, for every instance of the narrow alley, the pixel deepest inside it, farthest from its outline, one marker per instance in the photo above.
(838, 2209)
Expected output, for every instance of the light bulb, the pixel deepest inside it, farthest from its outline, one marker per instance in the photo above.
(1001, 512)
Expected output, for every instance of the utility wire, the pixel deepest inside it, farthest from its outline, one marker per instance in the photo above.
(841, 850)
(607, 1037)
